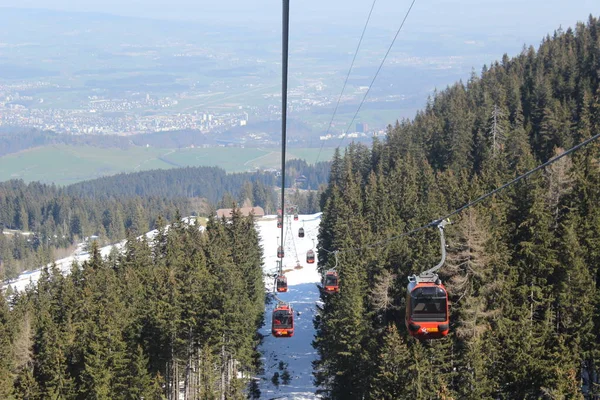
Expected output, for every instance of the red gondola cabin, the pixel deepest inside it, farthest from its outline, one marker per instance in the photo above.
(310, 257)
(283, 321)
(296, 217)
(280, 253)
(427, 308)
(281, 284)
(331, 282)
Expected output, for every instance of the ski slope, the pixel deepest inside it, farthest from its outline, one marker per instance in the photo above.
(297, 352)
(64, 265)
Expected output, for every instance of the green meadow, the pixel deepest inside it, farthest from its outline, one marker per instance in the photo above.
(64, 164)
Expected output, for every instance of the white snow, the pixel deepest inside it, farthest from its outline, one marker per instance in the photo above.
(297, 352)
(64, 264)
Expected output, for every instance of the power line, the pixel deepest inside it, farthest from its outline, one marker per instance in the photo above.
(378, 70)
(347, 75)
(470, 204)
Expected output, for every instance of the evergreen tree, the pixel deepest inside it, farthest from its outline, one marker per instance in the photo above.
(394, 367)
(521, 268)
(6, 356)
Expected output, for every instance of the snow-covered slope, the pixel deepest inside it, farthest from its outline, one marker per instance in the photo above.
(64, 265)
(296, 352)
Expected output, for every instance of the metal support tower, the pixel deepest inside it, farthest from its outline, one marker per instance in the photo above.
(290, 243)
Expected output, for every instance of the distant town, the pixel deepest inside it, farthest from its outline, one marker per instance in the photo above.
(145, 113)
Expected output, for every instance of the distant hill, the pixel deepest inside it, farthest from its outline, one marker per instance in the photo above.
(15, 139)
(211, 183)
(109, 207)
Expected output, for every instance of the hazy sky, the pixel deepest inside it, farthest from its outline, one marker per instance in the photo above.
(520, 17)
(508, 24)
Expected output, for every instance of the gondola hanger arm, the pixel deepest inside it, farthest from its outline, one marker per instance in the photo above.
(440, 225)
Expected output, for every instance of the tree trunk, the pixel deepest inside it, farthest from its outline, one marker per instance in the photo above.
(176, 381)
(223, 371)
(188, 367)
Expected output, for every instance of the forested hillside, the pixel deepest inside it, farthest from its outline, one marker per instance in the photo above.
(110, 207)
(179, 312)
(523, 267)
(15, 138)
(55, 219)
(211, 183)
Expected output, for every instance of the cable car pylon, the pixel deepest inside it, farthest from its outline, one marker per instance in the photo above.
(290, 243)
(427, 314)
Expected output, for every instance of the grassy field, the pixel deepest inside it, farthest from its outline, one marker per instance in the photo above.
(230, 159)
(63, 165)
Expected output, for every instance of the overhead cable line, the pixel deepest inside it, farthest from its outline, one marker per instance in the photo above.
(378, 70)
(525, 175)
(347, 76)
(437, 222)
(284, 83)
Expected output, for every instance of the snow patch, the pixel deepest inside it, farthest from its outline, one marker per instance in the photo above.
(28, 278)
(296, 352)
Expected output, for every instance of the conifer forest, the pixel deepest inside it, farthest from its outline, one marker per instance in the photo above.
(522, 268)
(180, 312)
(111, 206)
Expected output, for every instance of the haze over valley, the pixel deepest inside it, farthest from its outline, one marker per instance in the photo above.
(217, 73)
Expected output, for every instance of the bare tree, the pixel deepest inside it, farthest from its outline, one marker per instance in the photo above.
(468, 269)
(560, 182)
(380, 297)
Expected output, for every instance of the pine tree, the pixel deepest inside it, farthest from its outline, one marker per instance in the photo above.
(394, 366)
(138, 380)
(6, 351)
(51, 363)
